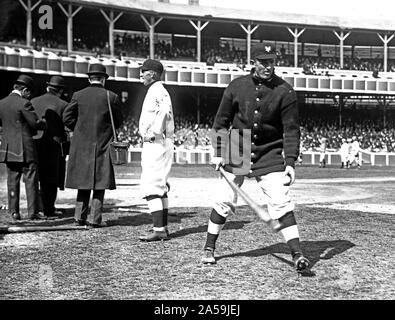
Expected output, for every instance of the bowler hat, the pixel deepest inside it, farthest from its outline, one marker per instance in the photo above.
(97, 68)
(57, 82)
(26, 81)
(263, 51)
(153, 65)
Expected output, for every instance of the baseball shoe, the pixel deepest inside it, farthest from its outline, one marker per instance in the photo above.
(153, 235)
(208, 256)
(166, 230)
(302, 264)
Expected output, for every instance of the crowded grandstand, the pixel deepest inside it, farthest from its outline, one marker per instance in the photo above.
(343, 72)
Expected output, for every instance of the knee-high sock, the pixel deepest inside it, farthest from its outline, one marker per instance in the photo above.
(290, 232)
(165, 206)
(216, 222)
(156, 209)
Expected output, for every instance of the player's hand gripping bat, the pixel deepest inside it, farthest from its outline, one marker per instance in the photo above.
(259, 211)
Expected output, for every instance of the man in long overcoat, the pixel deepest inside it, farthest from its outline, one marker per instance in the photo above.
(51, 143)
(89, 166)
(17, 150)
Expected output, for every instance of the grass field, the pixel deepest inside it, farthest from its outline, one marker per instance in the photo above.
(346, 221)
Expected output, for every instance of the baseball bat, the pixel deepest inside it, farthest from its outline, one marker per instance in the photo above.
(17, 229)
(259, 211)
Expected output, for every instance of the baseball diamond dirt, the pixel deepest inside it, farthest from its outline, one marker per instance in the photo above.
(346, 218)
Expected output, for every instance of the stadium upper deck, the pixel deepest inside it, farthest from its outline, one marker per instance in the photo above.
(178, 16)
(337, 14)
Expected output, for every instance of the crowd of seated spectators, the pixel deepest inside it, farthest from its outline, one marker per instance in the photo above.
(370, 132)
(371, 136)
(187, 132)
(223, 54)
(366, 124)
(311, 64)
(133, 45)
(138, 46)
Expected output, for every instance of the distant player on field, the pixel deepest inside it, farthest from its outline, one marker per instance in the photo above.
(344, 153)
(323, 145)
(355, 151)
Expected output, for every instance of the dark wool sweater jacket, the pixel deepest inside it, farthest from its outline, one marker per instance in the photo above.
(270, 110)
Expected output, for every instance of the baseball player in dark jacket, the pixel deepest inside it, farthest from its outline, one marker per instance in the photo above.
(50, 143)
(262, 110)
(17, 150)
(90, 166)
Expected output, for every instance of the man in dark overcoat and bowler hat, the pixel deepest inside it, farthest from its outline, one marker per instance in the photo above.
(89, 165)
(51, 143)
(17, 150)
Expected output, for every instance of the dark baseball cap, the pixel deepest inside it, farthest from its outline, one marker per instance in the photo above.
(263, 51)
(153, 65)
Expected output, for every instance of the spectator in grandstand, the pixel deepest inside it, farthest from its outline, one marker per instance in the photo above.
(265, 104)
(156, 126)
(344, 153)
(17, 149)
(307, 68)
(89, 165)
(282, 51)
(52, 144)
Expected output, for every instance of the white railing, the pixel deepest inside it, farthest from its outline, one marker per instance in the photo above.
(203, 156)
(190, 73)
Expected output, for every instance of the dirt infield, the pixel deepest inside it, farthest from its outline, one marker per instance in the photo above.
(346, 223)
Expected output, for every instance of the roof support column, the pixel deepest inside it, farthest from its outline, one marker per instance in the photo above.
(70, 15)
(341, 37)
(249, 32)
(385, 40)
(151, 29)
(296, 35)
(199, 29)
(29, 8)
(111, 22)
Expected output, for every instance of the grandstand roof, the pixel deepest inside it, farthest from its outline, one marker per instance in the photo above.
(344, 17)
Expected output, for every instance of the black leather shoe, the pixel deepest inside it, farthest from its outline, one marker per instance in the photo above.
(53, 215)
(16, 216)
(96, 225)
(37, 216)
(80, 223)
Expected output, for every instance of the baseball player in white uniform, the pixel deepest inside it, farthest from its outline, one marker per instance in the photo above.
(344, 153)
(355, 152)
(156, 126)
(323, 145)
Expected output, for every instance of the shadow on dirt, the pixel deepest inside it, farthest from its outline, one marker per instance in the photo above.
(313, 250)
(203, 228)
